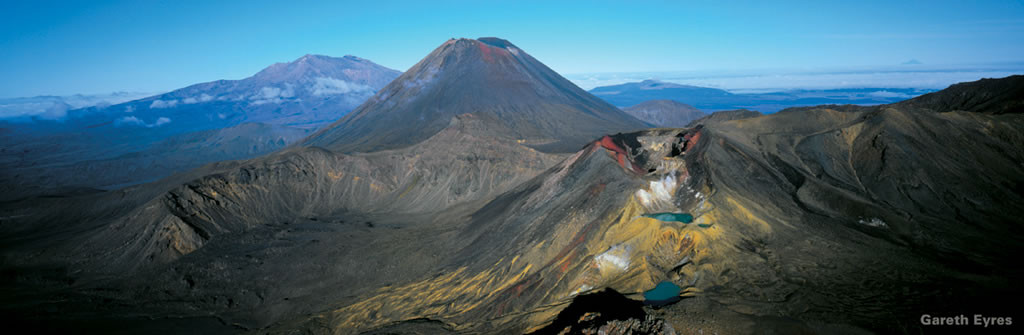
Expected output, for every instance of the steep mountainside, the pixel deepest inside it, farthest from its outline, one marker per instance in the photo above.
(664, 113)
(488, 77)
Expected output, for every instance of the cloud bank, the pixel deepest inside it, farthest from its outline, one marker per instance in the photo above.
(163, 103)
(201, 98)
(333, 86)
(271, 94)
(57, 107)
(134, 121)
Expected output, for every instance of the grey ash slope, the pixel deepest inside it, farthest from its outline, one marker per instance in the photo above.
(664, 113)
(489, 77)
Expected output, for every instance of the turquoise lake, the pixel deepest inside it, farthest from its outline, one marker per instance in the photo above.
(665, 292)
(678, 217)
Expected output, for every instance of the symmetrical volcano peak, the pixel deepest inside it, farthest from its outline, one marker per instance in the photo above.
(487, 76)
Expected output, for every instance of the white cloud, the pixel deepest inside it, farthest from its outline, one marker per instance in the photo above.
(201, 98)
(129, 109)
(270, 94)
(163, 103)
(134, 121)
(128, 120)
(267, 101)
(332, 86)
(887, 94)
(26, 112)
(288, 92)
(57, 107)
(56, 112)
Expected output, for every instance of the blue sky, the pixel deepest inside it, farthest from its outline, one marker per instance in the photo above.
(99, 46)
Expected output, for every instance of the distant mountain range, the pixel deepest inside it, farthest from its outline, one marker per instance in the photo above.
(712, 99)
(109, 146)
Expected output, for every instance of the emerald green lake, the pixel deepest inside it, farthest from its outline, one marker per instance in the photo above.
(678, 217)
(664, 292)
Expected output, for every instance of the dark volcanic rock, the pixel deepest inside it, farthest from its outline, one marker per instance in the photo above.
(605, 312)
(989, 96)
